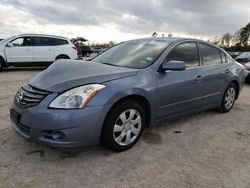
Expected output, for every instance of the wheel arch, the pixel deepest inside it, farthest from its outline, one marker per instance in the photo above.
(237, 84)
(62, 55)
(142, 100)
(4, 61)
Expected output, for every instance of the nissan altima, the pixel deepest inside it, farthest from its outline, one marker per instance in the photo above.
(110, 99)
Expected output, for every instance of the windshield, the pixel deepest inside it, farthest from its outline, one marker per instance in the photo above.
(133, 54)
(5, 40)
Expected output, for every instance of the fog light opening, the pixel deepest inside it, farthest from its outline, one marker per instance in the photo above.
(58, 135)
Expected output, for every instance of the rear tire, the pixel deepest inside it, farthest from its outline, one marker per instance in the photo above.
(123, 126)
(229, 98)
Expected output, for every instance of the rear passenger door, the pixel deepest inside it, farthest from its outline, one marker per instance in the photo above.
(43, 51)
(215, 73)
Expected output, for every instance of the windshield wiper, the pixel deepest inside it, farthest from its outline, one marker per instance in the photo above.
(109, 64)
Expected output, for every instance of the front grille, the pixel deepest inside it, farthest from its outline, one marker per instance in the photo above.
(29, 96)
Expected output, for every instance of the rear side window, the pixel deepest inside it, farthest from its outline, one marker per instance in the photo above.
(187, 52)
(57, 42)
(223, 57)
(209, 55)
(40, 41)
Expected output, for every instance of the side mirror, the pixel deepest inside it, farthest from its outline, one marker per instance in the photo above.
(10, 45)
(173, 65)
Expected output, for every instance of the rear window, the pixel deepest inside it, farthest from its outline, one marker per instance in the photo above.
(210, 55)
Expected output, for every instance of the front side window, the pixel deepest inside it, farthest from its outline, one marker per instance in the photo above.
(133, 54)
(186, 52)
(23, 41)
(209, 55)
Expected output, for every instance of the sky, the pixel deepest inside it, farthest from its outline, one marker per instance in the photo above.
(119, 20)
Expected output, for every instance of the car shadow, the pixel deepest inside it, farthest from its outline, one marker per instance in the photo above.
(150, 136)
(10, 69)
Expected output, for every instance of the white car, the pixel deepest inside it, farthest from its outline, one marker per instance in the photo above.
(35, 50)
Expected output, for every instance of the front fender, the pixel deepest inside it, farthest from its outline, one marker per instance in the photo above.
(117, 90)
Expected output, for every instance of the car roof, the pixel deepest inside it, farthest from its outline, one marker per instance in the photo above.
(170, 39)
(243, 55)
(41, 35)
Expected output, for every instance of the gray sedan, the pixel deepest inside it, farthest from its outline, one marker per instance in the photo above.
(113, 97)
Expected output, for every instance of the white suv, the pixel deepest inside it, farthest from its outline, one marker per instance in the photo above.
(35, 50)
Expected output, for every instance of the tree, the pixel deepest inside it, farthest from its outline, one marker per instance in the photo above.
(245, 34)
(237, 38)
(226, 39)
(154, 34)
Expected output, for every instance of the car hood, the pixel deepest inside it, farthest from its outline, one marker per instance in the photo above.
(66, 74)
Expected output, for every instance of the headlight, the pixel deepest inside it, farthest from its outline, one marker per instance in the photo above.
(76, 98)
(247, 66)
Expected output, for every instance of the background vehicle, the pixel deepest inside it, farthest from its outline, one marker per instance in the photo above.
(244, 59)
(1, 39)
(86, 51)
(125, 89)
(247, 67)
(83, 49)
(35, 50)
(234, 54)
(98, 49)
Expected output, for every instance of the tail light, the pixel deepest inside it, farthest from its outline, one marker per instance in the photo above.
(75, 48)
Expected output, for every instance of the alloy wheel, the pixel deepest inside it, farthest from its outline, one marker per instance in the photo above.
(127, 127)
(230, 97)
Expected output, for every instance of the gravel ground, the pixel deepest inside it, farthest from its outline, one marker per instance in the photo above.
(208, 149)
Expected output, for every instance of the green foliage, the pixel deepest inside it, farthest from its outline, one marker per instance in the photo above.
(240, 39)
(103, 44)
(245, 34)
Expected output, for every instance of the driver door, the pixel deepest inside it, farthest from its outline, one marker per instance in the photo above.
(20, 50)
(180, 91)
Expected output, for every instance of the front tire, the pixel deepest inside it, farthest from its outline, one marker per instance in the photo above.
(229, 98)
(123, 126)
(1, 64)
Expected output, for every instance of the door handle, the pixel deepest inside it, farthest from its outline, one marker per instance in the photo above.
(28, 50)
(198, 78)
(50, 49)
(227, 71)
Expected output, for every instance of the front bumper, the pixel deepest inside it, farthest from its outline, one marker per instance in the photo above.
(247, 75)
(80, 127)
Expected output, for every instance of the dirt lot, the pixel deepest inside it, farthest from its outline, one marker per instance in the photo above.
(208, 149)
